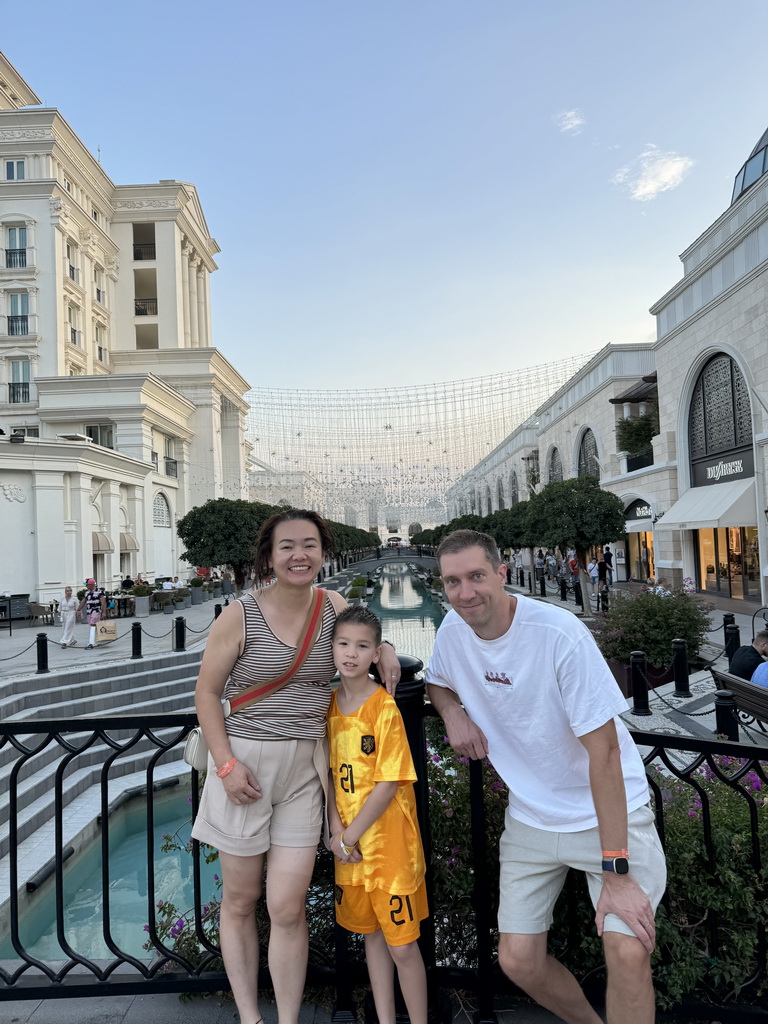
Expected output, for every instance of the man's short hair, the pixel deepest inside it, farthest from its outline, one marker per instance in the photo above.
(460, 540)
(358, 615)
(761, 637)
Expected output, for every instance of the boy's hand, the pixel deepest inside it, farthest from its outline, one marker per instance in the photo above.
(353, 857)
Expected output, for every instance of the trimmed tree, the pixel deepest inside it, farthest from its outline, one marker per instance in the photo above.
(575, 513)
(223, 532)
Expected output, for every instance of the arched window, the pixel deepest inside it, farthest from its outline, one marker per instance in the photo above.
(513, 493)
(588, 464)
(555, 467)
(500, 493)
(720, 417)
(161, 511)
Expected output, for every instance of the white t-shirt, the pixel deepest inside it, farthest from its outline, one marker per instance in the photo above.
(533, 692)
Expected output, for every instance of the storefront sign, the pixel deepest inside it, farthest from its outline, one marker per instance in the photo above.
(724, 468)
(638, 510)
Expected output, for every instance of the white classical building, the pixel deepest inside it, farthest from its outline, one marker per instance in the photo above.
(696, 502)
(117, 413)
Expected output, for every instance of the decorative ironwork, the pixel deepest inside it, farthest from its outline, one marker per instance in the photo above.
(161, 511)
(720, 416)
(513, 491)
(555, 474)
(588, 461)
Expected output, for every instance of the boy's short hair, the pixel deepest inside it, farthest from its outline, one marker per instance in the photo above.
(358, 615)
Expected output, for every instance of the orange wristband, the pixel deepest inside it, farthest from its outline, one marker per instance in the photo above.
(225, 769)
(615, 853)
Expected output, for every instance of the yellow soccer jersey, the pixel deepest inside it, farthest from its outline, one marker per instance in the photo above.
(367, 747)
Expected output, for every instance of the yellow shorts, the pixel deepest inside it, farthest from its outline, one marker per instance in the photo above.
(397, 917)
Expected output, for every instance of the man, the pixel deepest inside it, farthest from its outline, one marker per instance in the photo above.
(608, 556)
(540, 702)
(95, 603)
(747, 658)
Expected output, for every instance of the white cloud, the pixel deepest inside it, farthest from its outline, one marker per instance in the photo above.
(570, 122)
(652, 172)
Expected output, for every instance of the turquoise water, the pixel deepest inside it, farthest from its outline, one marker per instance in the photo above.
(409, 615)
(128, 897)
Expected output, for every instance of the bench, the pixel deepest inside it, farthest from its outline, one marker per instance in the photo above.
(751, 700)
(40, 611)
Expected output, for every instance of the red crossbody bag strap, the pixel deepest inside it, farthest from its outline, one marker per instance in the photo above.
(309, 635)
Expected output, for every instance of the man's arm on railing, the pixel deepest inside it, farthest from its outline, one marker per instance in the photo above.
(465, 737)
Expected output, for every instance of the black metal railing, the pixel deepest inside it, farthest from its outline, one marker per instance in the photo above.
(15, 258)
(145, 307)
(698, 916)
(18, 393)
(171, 467)
(18, 325)
(145, 251)
(640, 460)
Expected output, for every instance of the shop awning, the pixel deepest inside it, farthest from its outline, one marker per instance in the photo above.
(128, 542)
(707, 508)
(638, 526)
(101, 543)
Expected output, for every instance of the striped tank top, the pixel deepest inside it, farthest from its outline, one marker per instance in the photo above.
(298, 709)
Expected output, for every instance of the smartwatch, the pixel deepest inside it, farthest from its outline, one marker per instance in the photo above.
(619, 865)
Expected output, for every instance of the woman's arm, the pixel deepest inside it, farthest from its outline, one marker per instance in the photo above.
(221, 652)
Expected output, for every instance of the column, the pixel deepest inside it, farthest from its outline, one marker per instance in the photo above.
(202, 340)
(186, 252)
(110, 510)
(194, 329)
(49, 510)
(31, 247)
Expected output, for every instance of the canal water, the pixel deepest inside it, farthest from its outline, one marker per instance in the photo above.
(410, 617)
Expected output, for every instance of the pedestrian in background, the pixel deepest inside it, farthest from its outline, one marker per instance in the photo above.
(68, 616)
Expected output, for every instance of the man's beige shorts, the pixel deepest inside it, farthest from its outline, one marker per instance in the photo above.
(534, 864)
(290, 811)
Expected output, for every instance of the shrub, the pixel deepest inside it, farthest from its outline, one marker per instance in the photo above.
(354, 593)
(196, 581)
(649, 622)
(141, 590)
(360, 581)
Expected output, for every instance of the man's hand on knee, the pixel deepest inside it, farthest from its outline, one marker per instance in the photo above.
(622, 896)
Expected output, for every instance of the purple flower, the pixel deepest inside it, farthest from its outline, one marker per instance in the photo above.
(146, 927)
(215, 878)
(455, 849)
(159, 903)
(436, 758)
(463, 760)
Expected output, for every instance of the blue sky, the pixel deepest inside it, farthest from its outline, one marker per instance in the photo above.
(418, 191)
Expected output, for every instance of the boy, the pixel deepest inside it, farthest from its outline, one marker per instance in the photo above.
(380, 891)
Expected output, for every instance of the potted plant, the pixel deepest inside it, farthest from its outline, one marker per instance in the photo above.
(196, 590)
(649, 622)
(140, 594)
(186, 596)
(355, 595)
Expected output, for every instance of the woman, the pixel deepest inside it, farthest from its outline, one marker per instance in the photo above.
(68, 616)
(267, 766)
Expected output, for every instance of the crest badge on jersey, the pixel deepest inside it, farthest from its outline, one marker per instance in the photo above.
(368, 744)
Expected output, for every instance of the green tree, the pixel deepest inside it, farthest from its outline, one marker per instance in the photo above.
(223, 532)
(575, 513)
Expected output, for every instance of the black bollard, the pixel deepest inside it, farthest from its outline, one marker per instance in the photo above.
(604, 599)
(680, 660)
(563, 590)
(729, 619)
(530, 583)
(180, 633)
(732, 641)
(216, 611)
(509, 575)
(543, 585)
(42, 653)
(521, 577)
(726, 717)
(577, 592)
(639, 675)
(135, 641)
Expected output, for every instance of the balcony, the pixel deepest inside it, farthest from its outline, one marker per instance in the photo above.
(171, 467)
(640, 460)
(15, 258)
(145, 307)
(18, 325)
(144, 252)
(18, 393)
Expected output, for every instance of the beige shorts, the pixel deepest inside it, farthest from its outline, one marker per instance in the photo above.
(290, 811)
(534, 864)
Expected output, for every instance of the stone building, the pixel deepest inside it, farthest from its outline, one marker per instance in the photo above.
(118, 414)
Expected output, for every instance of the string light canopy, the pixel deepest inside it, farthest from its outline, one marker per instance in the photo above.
(385, 457)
